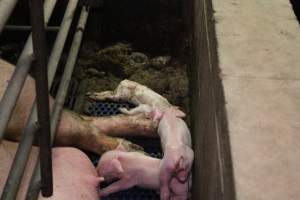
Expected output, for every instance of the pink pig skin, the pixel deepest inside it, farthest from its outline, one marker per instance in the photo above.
(176, 143)
(134, 169)
(74, 176)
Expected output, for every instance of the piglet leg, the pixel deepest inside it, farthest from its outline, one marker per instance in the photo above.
(120, 185)
(102, 96)
(132, 92)
(141, 109)
(123, 92)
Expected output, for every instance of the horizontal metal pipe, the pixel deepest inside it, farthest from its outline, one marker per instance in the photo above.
(13, 90)
(12, 93)
(42, 93)
(35, 184)
(27, 28)
(6, 8)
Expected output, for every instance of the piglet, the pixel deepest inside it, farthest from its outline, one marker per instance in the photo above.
(134, 169)
(176, 143)
(140, 95)
(130, 168)
(132, 92)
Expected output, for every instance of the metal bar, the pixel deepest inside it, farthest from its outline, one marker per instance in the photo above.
(17, 169)
(60, 98)
(13, 90)
(28, 134)
(69, 68)
(33, 190)
(42, 93)
(61, 39)
(6, 8)
(28, 28)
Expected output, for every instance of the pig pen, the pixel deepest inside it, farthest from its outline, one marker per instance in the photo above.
(181, 32)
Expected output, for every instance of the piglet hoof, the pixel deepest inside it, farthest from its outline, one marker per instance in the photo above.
(125, 111)
(128, 146)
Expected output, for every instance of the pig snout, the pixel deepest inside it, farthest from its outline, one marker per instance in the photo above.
(113, 170)
(176, 164)
(179, 190)
(109, 167)
(178, 161)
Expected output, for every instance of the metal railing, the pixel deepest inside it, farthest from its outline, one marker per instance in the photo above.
(6, 8)
(39, 120)
(33, 189)
(28, 28)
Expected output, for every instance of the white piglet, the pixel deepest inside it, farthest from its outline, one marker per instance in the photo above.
(131, 169)
(176, 143)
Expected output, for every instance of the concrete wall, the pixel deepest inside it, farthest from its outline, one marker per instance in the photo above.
(259, 48)
(212, 174)
(245, 91)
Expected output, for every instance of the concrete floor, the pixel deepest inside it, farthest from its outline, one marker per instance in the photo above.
(259, 55)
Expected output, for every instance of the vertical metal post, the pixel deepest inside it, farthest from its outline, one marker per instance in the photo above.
(42, 94)
(33, 189)
(6, 107)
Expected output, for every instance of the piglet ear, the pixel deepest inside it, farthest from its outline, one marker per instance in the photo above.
(116, 166)
(130, 84)
(177, 112)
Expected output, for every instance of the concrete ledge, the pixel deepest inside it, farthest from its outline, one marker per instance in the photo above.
(259, 45)
(212, 174)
